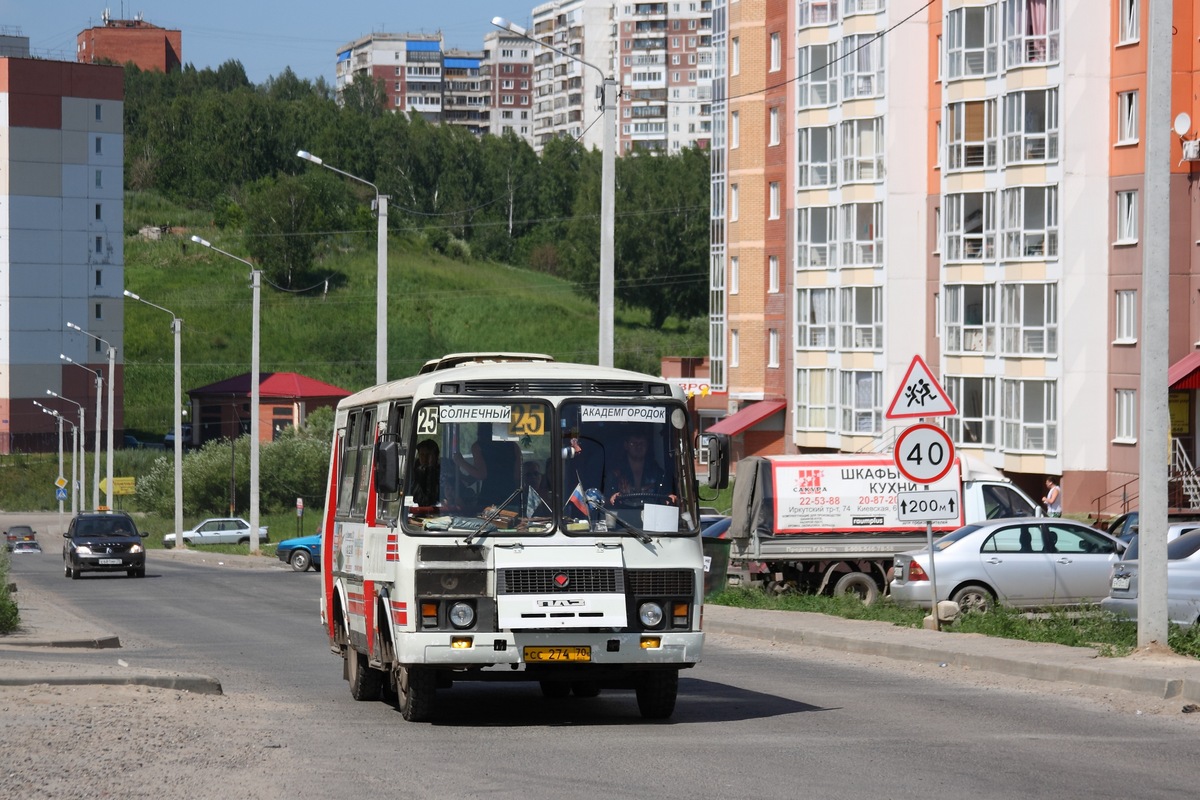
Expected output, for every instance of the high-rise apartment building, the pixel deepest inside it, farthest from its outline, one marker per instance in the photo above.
(121, 41)
(61, 243)
(407, 65)
(465, 92)
(508, 67)
(963, 183)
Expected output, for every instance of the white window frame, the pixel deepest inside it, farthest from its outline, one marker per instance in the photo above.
(815, 407)
(816, 319)
(812, 171)
(816, 237)
(1127, 117)
(861, 318)
(971, 48)
(735, 56)
(1125, 417)
(1125, 313)
(816, 12)
(773, 274)
(772, 349)
(1127, 223)
(1031, 126)
(735, 275)
(735, 130)
(772, 127)
(1028, 233)
(1128, 23)
(861, 149)
(817, 76)
(735, 348)
(734, 202)
(860, 401)
(975, 398)
(860, 234)
(1029, 415)
(1029, 319)
(773, 200)
(861, 60)
(1023, 47)
(776, 52)
(969, 313)
(852, 7)
(970, 226)
(971, 141)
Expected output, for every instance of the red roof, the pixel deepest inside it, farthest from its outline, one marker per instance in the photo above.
(1183, 373)
(748, 417)
(283, 385)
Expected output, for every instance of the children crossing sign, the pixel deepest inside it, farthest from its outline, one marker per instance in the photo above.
(920, 395)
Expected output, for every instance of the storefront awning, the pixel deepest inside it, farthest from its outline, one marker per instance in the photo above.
(748, 417)
(1185, 373)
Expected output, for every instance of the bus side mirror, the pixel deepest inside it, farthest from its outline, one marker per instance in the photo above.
(387, 467)
(717, 445)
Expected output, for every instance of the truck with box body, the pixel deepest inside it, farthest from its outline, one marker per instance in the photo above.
(830, 523)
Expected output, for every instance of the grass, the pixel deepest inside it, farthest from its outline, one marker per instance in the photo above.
(1086, 627)
(10, 616)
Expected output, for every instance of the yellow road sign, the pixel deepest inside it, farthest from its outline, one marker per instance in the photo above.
(120, 485)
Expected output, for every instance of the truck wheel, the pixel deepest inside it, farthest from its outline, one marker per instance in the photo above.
(300, 560)
(417, 689)
(656, 693)
(555, 690)
(859, 584)
(365, 683)
(585, 688)
(974, 597)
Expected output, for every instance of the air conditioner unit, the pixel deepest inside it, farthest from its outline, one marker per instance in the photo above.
(1191, 149)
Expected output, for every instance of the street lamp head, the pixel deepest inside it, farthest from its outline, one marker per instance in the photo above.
(501, 22)
(200, 241)
(307, 156)
(51, 392)
(131, 294)
(66, 358)
(74, 327)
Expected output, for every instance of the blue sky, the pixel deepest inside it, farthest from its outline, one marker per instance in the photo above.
(265, 36)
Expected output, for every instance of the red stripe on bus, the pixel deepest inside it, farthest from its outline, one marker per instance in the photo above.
(327, 539)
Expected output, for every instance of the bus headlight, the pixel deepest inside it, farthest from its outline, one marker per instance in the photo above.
(462, 615)
(651, 614)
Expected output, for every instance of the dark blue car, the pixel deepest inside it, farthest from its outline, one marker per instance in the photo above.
(302, 552)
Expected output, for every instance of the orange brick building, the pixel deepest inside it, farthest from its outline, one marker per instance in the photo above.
(121, 41)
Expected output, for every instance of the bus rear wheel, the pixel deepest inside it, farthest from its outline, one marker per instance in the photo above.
(416, 691)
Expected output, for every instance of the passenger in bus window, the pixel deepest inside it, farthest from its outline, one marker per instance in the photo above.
(496, 465)
(636, 471)
(426, 480)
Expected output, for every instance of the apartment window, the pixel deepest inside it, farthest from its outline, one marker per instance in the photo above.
(773, 126)
(99, 146)
(817, 157)
(1127, 217)
(773, 200)
(971, 135)
(1030, 222)
(776, 53)
(815, 322)
(862, 66)
(1126, 416)
(937, 230)
(99, 179)
(975, 399)
(816, 12)
(735, 275)
(733, 202)
(971, 42)
(814, 409)
(861, 402)
(860, 233)
(1029, 319)
(862, 317)
(862, 150)
(99, 311)
(735, 130)
(99, 112)
(971, 226)
(815, 235)
(735, 56)
(772, 349)
(851, 7)
(1126, 313)
(98, 208)
(734, 349)
(99, 244)
(816, 84)
(1127, 32)
(1030, 31)
(99, 278)
(1031, 126)
(969, 313)
(1127, 117)
(773, 274)
(1029, 415)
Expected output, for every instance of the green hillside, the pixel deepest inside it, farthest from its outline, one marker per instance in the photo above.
(436, 305)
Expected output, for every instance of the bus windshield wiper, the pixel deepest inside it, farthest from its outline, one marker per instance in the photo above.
(638, 533)
(486, 525)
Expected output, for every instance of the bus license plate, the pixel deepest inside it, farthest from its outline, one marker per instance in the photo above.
(543, 654)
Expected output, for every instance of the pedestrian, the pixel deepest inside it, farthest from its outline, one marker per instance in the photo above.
(1053, 499)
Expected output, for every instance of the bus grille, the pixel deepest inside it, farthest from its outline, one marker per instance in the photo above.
(541, 580)
(662, 582)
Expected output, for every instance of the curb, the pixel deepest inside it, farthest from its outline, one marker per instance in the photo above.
(196, 684)
(101, 643)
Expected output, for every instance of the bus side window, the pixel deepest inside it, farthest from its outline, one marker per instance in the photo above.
(390, 463)
(349, 463)
(366, 449)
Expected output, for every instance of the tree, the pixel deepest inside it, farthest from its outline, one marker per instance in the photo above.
(287, 218)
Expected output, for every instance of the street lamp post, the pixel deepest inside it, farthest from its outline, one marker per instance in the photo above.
(112, 374)
(177, 330)
(60, 419)
(81, 430)
(607, 188)
(256, 285)
(96, 460)
(381, 257)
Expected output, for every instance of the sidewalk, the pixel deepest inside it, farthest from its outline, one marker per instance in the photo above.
(54, 635)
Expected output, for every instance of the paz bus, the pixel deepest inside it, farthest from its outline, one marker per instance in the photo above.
(508, 517)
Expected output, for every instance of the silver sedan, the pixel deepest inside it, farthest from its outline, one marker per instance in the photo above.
(1021, 563)
(1183, 582)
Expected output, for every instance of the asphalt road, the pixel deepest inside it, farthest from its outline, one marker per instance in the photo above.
(753, 720)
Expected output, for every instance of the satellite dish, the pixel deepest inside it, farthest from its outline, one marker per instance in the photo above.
(1183, 123)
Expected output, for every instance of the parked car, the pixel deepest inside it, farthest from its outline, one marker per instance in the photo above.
(18, 533)
(169, 437)
(103, 542)
(1125, 526)
(708, 520)
(1022, 563)
(1183, 581)
(716, 529)
(303, 552)
(219, 530)
(26, 547)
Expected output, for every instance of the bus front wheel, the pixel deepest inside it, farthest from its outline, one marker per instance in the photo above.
(416, 690)
(656, 693)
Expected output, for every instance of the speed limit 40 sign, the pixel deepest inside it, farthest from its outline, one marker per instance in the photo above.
(924, 453)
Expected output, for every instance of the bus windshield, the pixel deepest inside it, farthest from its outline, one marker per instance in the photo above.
(500, 469)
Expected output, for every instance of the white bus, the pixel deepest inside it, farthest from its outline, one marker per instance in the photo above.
(502, 516)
